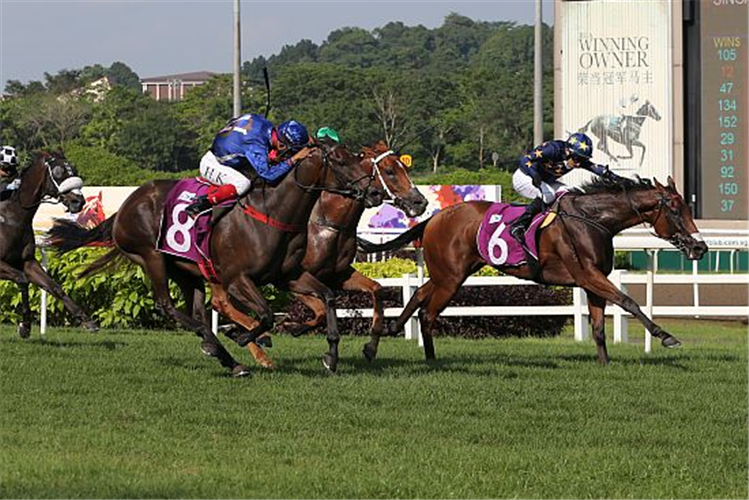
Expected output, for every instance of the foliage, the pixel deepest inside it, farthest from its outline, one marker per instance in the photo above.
(458, 98)
(98, 167)
(122, 298)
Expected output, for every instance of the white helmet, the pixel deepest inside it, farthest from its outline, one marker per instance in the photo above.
(8, 156)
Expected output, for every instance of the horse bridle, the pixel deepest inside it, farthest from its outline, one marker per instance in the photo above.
(351, 192)
(376, 170)
(72, 183)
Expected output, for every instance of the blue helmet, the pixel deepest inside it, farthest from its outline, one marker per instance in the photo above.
(580, 145)
(293, 134)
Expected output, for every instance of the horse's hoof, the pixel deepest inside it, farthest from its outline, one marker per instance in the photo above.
(240, 371)
(209, 349)
(265, 341)
(670, 342)
(369, 353)
(329, 363)
(24, 330)
(90, 326)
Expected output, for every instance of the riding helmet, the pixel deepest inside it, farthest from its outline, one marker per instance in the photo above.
(293, 133)
(8, 156)
(580, 145)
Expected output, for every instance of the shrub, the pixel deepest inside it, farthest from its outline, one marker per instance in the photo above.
(98, 167)
(121, 298)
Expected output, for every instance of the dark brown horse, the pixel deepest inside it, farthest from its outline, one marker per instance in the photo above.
(576, 249)
(50, 177)
(246, 252)
(331, 236)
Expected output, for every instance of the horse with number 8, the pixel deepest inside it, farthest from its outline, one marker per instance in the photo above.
(247, 251)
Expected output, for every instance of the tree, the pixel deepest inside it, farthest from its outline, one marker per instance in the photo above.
(45, 120)
(124, 76)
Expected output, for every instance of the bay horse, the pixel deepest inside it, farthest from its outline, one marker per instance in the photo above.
(622, 129)
(246, 252)
(576, 249)
(331, 236)
(50, 177)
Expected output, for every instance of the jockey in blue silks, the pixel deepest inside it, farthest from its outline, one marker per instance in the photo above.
(539, 170)
(247, 143)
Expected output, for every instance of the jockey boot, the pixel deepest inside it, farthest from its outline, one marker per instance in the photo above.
(198, 206)
(216, 195)
(521, 224)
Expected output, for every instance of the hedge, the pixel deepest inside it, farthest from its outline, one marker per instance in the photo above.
(121, 298)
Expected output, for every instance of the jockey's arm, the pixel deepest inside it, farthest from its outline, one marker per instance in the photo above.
(601, 170)
(258, 158)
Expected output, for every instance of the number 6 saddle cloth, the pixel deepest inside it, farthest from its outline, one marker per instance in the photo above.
(183, 236)
(495, 243)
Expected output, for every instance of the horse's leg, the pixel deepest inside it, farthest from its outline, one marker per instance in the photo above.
(436, 303)
(418, 298)
(640, 145)
(246, 293)
(597, 307)
(358, 282)
(317, 307)
(307, 284)
(8, 272)
(193, 290)
(37, 275)
(593, 281)
(24, 327)
(154, 265)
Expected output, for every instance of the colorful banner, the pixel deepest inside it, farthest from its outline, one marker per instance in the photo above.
(103, 202)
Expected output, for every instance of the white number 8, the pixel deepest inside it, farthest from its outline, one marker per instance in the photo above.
(181, 228)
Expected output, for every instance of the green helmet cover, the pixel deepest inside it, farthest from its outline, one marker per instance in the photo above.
(329, 133)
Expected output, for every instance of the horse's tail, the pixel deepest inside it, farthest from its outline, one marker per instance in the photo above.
(67, 235)
(402, 240)
(105, 261)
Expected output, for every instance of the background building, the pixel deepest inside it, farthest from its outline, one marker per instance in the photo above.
(173, 87)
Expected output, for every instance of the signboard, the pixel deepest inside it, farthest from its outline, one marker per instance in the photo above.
(616, 84)
(724, 157)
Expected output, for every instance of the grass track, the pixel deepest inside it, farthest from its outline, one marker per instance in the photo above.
(134, 414)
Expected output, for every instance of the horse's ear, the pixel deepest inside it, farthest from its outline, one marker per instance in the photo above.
(671, 183)
(658, 185)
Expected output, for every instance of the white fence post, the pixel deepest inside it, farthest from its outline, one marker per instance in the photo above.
(214, 321)
(696, 287)
(649, 299)
(621, 333)
(406, 292)
(43, 305)
(580, 304)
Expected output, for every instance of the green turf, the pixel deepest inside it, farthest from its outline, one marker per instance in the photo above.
(134, 414)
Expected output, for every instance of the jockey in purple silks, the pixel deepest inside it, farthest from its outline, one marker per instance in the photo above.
(539, 170)
(247, 143)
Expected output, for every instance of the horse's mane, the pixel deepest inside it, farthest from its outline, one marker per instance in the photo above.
(601, 185)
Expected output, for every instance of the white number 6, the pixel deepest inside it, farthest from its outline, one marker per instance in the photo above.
(497, 242)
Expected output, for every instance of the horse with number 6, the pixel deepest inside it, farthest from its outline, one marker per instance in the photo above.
(574, 249)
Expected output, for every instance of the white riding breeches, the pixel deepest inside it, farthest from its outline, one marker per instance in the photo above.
(523, 184)
(219, 174)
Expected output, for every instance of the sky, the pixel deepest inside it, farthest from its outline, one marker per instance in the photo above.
(161, 37)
